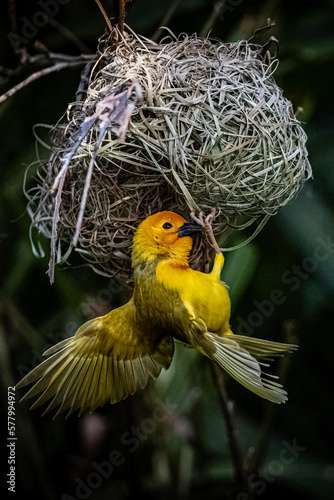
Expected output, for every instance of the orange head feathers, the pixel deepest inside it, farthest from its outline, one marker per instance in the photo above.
(164, 234)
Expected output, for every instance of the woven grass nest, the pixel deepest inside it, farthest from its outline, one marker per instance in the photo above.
(188, 124)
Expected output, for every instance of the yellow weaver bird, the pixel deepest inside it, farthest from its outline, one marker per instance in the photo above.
(111, 356)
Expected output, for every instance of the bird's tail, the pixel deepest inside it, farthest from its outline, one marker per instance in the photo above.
(243, 358)
(106, 360)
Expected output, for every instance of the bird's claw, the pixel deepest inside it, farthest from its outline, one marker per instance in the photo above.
(199, 219)
(206, 223)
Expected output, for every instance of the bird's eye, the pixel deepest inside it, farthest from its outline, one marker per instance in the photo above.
(167, 225)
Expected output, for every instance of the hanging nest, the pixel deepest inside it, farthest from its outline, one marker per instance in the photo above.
(188, 124)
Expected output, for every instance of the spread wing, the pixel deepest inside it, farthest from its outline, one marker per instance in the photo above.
(109, 358)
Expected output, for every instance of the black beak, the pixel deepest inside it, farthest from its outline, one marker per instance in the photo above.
(189, 228)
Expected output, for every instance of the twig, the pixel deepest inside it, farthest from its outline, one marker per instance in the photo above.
(84, 81)
(85, 191)
(54, 229)
(289, 329)
(227, 407)
(264, 29)
(67, 33)
(166, 19)
(20, 51)
(104, 15)
(12, 16)
(122, 14)
(211, 21)
(72, 62)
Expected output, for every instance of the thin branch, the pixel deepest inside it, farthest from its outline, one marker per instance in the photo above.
(227, 407)
(12, 15)
(72, 62)
(100, 6)
(67, 33)
(260, 31)
(84, 81)
(268, 419)
(54, 229)
(166, 19)
(122, 14)
(211, 21)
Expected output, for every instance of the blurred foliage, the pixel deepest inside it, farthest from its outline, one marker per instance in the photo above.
(170, 439)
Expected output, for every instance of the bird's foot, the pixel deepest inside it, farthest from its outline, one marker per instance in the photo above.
(206, 223)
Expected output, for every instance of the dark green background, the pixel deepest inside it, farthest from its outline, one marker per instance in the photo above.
(182, 453)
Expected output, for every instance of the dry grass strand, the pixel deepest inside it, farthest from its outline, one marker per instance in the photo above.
(185, 125)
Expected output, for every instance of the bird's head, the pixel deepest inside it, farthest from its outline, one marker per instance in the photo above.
(163, 235)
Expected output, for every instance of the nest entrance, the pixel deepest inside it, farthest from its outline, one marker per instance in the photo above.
(186, 124)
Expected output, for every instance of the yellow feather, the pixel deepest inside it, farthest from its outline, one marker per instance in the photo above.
(112, 356)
